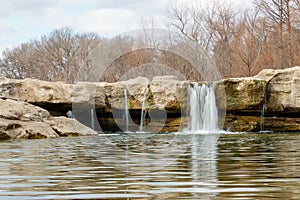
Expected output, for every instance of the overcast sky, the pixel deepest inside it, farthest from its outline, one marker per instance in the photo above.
(23, 20)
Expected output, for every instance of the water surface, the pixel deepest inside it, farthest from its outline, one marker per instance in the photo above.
(152, 166)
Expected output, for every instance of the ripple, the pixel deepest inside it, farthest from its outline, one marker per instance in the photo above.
(174, 166)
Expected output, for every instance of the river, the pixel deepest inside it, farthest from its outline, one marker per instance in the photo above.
(153, 166)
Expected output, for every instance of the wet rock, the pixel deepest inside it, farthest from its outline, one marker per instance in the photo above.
(284, 91)
(241, 94)
(170, 94)
(21, 120)
(53, 96)
(246, 123)
(16, 129)
(87, 94)
(19, 110)
(136, 90)
(36, 91)
(277, 90)
(66, 127)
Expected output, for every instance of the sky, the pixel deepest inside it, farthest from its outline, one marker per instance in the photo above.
(25, 20)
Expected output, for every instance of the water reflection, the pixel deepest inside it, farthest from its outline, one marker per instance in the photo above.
(260, 165)
(156, 166)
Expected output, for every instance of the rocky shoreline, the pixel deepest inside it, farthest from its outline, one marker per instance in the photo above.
(32, 108)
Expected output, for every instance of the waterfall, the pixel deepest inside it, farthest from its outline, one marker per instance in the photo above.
(263, 109)
(126, 110)
(70, 114)
(203, 109)
(143, 112)
(92, 119)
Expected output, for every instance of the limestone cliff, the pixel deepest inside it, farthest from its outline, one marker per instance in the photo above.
(29, 103)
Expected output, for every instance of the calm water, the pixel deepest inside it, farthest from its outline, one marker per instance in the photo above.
(149, 166)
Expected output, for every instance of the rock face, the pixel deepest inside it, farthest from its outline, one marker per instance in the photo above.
(53, 96)
(21, 120)
(70, 127)
(271, 101)
(284, 91)
(169, 93)
(28, 104)
(19, 110)
(165, 97)
(242, 94)
(242, 102)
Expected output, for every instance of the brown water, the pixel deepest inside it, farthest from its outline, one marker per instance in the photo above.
(137, 166)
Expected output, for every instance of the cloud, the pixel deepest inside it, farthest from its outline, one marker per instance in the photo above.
(108, 21)
(139, 6)
(12, 7)
(21, 21)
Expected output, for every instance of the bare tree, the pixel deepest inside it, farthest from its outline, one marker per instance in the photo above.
(282, 18)
(212, 26)
(222, 23)
(248, 43)
(190, 21)
(16, 63)
(54, 57)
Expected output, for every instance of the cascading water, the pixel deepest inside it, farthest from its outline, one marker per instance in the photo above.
(92, 119)
(262, 115)
(143, 112)
(203, 109)
(126, 111)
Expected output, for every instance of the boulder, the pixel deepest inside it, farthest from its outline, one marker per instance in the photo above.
(87, 94)
(284, 91)
(21, 120)
(136, 89)
(281, 100)
(53, 96)
(242, 94)
(66, 127)
(169, 94)
(36, 91)
(266, 74)
(242, 98)
(19, 110)
(116, 96)
(16, 129)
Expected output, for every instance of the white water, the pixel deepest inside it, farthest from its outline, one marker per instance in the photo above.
(126, 111)
(143, 113)
(92, 119)
(262, 116)
(203, 109)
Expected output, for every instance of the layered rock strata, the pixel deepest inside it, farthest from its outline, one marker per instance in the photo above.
(28, 103)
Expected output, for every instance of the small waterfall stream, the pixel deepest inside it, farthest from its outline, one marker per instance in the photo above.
(263, 109)
(143, 112)
(92, 119)
(126, 111)
(203, 109)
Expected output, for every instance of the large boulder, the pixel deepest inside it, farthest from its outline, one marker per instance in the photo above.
(87, 94)
(36, 91)
(169, 93)
(136, 89)
(66, 127)
(283, 90)
(56, 97)
(21, 120)
(241, 94)
(19, 110)
(16, 129)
